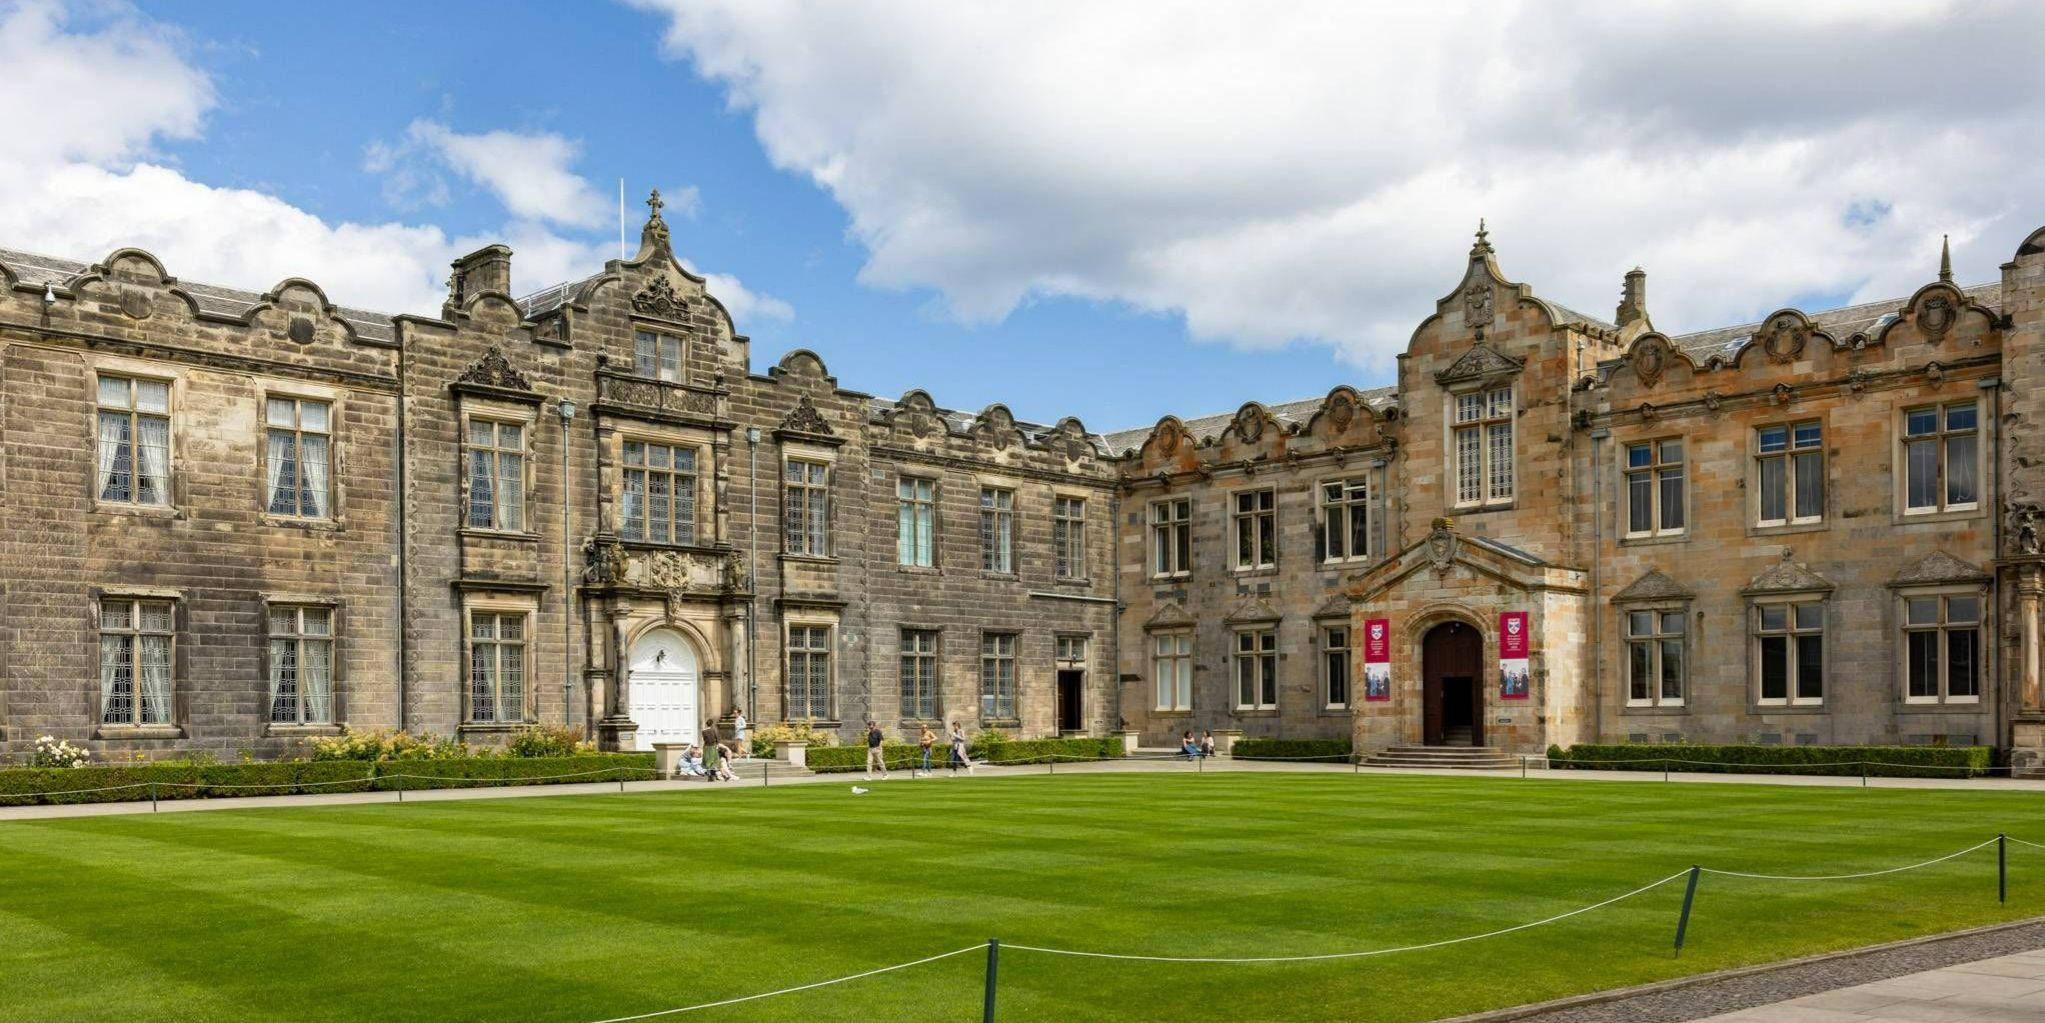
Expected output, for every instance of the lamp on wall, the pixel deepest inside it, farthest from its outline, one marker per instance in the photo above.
(567, 410)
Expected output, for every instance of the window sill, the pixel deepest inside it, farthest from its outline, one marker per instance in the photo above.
(1251, 571)
(1170, 577)
(1010, 576)
(815, 724)
(1480, 509)
(1013, 724)
(1343, 564)
(1940, 707)
(1181, 712)
(1653, 539)
(1949, 515)
(1653, 710)
(808, 559)
(479, 533)
(147, 511)
(1787, 708)
(1784, 529)
(139, 732)
(492, 727)
(1256, 712)
(295, 522)
(919, 569)
(285, 730)
(1340, 710)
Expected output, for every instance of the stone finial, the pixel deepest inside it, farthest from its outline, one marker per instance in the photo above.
(1483, 245)
(653, 236)
(1945, 259)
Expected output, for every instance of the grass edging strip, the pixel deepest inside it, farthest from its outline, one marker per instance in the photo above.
(1621, 994)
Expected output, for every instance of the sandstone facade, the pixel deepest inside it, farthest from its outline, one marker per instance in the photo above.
(235, 520)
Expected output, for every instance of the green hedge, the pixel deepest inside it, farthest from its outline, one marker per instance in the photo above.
(456, 774)
(179, 779)
(1323, 750)
(1880, 761)
(903, 756)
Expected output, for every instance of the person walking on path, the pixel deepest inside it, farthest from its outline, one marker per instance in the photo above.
(711, 736)
(926, 740)
(958, 750)
(740, 734)
(713, 758)
(875, 759)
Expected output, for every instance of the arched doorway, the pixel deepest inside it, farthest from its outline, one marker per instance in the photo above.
(667, 698)
(1452, 692)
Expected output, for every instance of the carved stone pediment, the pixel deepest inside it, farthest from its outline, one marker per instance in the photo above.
(495, 371)
(1337, 606)
(1171, 615)
(1938, 568)
(1252, 609)
(1787, 576)
(681, 573)
(804, 418)
(1654, 585)
(658, 298)
(1479, 362)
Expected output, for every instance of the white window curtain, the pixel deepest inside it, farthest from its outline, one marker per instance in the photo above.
(155, 687)
(114, 457)
(153, 472)
(312, 476)
(115, 689)
(280, 462)
(317, 680)
(283, 679)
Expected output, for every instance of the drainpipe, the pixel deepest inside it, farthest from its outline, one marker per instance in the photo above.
(753, 575)
(399, 453)
(1993, 385)
(566, 409)
(1597, 583)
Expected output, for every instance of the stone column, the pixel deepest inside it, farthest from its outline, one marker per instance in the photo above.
(616, 730)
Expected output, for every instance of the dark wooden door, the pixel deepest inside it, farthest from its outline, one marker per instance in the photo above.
(1451, 654)
(1070, 712)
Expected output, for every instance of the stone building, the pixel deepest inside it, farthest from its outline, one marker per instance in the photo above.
(235, 519)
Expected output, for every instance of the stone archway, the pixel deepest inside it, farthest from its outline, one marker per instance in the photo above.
(1452, 685)
(666, 688)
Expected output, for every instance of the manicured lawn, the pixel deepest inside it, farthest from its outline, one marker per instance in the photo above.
(574, 909)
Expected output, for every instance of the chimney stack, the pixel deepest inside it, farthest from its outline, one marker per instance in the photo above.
(486, 269)
(1632, 315)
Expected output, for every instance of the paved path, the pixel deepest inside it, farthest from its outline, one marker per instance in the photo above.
(2007, 989)
(1132, 765)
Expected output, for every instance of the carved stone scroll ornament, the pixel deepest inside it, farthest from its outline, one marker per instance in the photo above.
(658, 298)
(605, 562)
(495, 371)
(1785, 338)
(804, 418)
(2024, 529)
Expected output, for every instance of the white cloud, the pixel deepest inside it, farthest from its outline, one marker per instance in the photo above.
(1314, 171)
(528, 172)
(102, 84)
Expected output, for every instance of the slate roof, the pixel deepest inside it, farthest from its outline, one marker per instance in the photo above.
(1289, 413)
(1865, 318)
(33, 268)
(546, 300)
(958, 422)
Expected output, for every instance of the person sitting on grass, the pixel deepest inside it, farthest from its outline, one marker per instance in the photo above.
(1188, 748)
(724, 771)
(692, 762)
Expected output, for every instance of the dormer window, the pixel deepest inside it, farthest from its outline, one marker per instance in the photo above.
(1481, 435)
(658, 356)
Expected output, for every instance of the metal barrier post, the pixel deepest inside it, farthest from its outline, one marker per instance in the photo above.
(993, 962)
(152, 797)
(1523, 765)
(1689, 897)
(401, 787)
(621, 781)
(1863, 774)
(1053, 761)
(766, 772)
(2001, 868)
(1665, 770)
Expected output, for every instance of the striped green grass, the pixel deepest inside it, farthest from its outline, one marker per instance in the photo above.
(578, 908)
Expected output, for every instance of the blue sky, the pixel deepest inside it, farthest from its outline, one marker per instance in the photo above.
(304, 90)
(1107, 210)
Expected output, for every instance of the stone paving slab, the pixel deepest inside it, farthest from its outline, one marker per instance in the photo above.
(2007, 989)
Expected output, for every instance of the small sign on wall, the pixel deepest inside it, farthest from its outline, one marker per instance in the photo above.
(1377, 659)
(1514, 682)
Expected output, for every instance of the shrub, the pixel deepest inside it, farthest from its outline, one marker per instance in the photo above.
(380, 745)
(54, 752)
(766, 736)
(903, 756)
(1327, 751)
(547, 741)
(1876, 761)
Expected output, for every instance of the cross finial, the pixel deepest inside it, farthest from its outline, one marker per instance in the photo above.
(1480, 230)
(1483, 244)
(654, 203)
(1945, 259)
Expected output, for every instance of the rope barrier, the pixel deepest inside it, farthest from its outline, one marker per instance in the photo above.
(1849, 877)
(793, 990)
(1352, 955)
(2020, 841)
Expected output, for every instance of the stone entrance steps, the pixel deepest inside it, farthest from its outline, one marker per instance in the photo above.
(1469, 758)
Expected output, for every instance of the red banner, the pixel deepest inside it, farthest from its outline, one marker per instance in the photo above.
(1514, 683)
(1377, 659)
